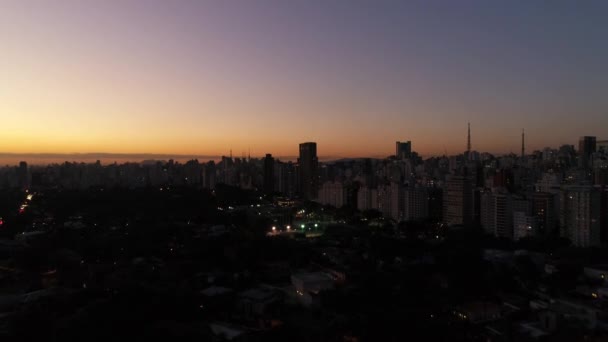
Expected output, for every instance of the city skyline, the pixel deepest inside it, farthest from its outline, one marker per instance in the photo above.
(203, 78)
(9, 158)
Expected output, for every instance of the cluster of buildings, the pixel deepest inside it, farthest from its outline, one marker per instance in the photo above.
(553, 192)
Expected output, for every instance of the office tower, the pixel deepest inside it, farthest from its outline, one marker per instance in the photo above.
(586, 147)
(580, 215)
(308, 165)
(23, 175)
(544, 209)
(458, 201)
(416, 203)
(496, 214)
(268, 174)
(403, 149)
(286, 179)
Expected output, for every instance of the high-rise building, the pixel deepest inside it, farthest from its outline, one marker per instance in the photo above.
(544, 209)
(604, 215)
(397, 201)
(286, 178)
(23, 175)
(367, 198)
(308, 165)
(416, 203)
(209, 175)
(435, 208)
(268, 174)
(403, 149)
(549, 182)
(458, 201)
(602, 146)
(384, 200)
(496, 214)
(586, 147)
(580, 214)
(333, 193)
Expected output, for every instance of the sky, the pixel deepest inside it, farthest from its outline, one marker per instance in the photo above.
(207, 77)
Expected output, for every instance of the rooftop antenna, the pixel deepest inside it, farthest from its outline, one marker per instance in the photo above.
(523, 143)
(469, 138)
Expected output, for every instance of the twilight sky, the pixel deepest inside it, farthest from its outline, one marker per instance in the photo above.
(202, 77)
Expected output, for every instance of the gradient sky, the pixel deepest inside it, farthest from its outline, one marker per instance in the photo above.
(204, 77)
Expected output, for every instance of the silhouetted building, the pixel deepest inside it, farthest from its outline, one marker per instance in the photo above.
(23, 175)
(209, 175)
(602, 146)
(308, 165)
(586, 147)
(268, 174)
(403, 149)
(580, 215)
(435, 203)
(604, 215)
(286, 178)
(367, 198)
(458, 201)
(333, 193)
(416, 203)
(497, 213)
(544, 208)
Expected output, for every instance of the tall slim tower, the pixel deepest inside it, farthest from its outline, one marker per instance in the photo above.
(469, 138)
(523, 144)
(268, 174)
(308, 164)
(586, 147)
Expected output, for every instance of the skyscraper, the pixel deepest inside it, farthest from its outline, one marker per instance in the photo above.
(580, 215)
(458, 201)
(308, 165)
(403, 149)
(544, 206)
(586, 146)
(23, 175)
(497, 213)
(268, 174)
